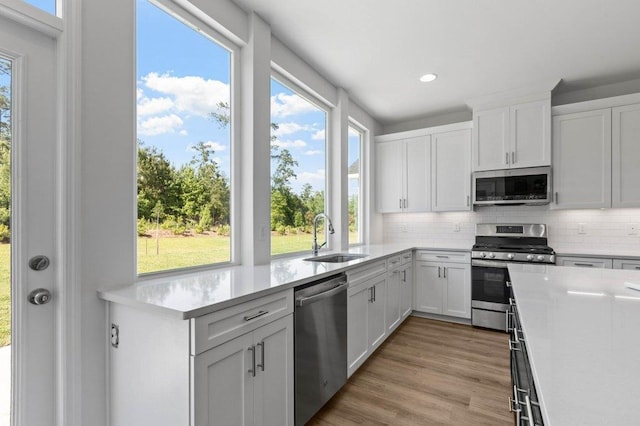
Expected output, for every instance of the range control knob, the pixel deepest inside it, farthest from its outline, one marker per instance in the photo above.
(483, 254)
(510, 256)
(491, 255)
(540, 258)
(529, 257)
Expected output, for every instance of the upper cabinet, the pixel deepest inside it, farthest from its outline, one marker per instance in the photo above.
(512, 136)
(424, 170)
(403, 181)
(596, 152)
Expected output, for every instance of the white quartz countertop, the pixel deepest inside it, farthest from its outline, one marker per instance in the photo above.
(191, 295)
(582, 332)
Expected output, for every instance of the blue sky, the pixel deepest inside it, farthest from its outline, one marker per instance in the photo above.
(182, 75)
(46, 5)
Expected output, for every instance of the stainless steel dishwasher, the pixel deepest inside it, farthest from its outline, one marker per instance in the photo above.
(320, 324)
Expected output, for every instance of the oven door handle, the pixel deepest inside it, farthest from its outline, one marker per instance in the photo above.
(489, 263)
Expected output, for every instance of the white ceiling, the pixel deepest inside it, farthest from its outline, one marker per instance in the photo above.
(377, 49)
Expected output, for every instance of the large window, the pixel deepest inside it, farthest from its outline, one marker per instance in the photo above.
(46, 5)
(298, 164)
(354, 175)
(184, 144)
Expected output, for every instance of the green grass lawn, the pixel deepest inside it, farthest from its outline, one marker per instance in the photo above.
(5, 296)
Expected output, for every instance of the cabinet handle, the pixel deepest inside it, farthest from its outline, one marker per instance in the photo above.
(439, 256)
(468, 200)
(506, 158)
(404, 276)
(406, 203)
(370, 294)
(583, 264)
(252, 348)
(556, 198)
(261, 365)
(512, 346)
(254, 316)
(444, 271)
(438, 272)
(400, 200)
(513, 157)
(508, 283)
(637, 267)
(374, 293)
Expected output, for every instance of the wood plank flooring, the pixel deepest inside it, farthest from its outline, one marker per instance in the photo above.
(428, 373)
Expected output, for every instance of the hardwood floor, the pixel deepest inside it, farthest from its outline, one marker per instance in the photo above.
(428, 373)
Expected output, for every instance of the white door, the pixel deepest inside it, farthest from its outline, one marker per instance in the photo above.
(531, 134)
(451, 171)
(29, 117)
(377, 326)
(418, 176)
(626, 156)
(491, 139)
(357, 322)
(457, 290)
(428, 287)
(393, 299)
(406, 292)
(389, 176)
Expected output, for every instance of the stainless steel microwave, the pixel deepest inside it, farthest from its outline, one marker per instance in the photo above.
(512, 186)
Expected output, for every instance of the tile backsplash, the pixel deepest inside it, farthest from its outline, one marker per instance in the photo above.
(595, 231)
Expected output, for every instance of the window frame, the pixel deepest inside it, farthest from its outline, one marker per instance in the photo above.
(364, 132)
(318, 103)
(206, 29)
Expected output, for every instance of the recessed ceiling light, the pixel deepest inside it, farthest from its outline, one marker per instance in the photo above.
(428, 77)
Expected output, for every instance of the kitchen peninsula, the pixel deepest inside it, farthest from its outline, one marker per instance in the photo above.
(580, 328)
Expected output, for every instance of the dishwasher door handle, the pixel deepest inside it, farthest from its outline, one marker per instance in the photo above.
(306, 300)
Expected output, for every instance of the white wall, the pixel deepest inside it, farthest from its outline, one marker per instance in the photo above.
(606, 230)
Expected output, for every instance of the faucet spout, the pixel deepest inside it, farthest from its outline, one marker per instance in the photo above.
(315, 247)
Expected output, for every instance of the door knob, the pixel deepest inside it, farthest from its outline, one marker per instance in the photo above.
(39, 296)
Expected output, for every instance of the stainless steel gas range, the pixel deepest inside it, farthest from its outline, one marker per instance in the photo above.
(496, 246)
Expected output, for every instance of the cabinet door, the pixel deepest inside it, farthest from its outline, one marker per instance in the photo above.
(631, 265)
(406, 292)
(491, 139)
(389, 176)
(273, 384)
(585, 262)
(418, 175)
(357, 323)
(530, 134)
(393, 299)
(582, 160)
(377, 329)
(223, 385)
(450, 168)
(626, 156)
(428, 287)
(457, 290)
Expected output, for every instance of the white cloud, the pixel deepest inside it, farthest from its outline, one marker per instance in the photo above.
(290, 128)
(318, 135)
(311, 177)
(189, 94)
(283, 105)
(183, 132)
(160, 125)
(153, 106)
(298, 143)
(216, 146)
(313, 152)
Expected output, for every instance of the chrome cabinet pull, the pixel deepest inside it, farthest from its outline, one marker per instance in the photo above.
(261, 365)
(370, 294)
(400, 200)
(444, 272)
(438, 272)
(583, 264)
(512, 346)
(506, 159)
(404, 276)
(439, 256)
(513, 157)
(374, 293)
(556, 198)
(508, 283)
(254, 316)
(252, 370)
(468, 200)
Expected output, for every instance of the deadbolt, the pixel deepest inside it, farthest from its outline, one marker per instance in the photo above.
(39, 296)
(39, 263)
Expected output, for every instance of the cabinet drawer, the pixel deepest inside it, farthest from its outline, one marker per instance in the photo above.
(443, 256)
(407, 257)
(357, 275)
(394, 261)
(585, 262)
(626, 264)
(218, 327)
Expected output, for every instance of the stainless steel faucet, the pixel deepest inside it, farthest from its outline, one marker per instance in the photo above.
(315, 247)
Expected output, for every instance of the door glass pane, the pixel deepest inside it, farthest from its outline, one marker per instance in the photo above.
(354, 176)
(298, 162)
(46, 5)
(184, 144)
(5, 259)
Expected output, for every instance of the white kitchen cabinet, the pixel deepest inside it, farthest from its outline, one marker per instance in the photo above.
(394, 283)
(201, 371)
(399, 290)
(406, 290)
(450, 171)
(582, 160)
(626, 264)
(513, 136)
(585, 262)
(377, 330)
(403, 178)
(248, 380)
(443, 288)
(626, 156)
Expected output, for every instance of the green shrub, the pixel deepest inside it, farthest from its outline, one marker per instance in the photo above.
(224, 230)
(5, 233)
(281, 229)
(143, 227)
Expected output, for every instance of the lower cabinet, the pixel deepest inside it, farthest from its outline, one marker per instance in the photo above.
(366, 327)
(230, 367)
(248, 380)
(443, 288)
(626, 264)
(406, 291)
(585, 262)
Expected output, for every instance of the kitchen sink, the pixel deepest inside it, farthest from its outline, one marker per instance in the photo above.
(336, 258)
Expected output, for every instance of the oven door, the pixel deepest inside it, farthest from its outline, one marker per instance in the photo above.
(489, 285)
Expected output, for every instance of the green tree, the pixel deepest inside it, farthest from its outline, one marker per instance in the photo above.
(5, 148)
(156, 182)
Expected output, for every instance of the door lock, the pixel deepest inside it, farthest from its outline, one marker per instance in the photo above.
(39, 296)
(39, 263)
